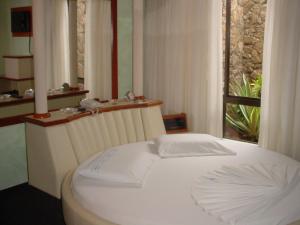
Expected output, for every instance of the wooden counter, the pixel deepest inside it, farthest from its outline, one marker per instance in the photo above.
(58, 117)
(13, 111)
(15, 101)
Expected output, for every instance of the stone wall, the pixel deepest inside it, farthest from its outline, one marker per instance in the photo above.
(247, 37)
(81, 10)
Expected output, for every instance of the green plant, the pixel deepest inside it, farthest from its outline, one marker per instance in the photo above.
(245, 119)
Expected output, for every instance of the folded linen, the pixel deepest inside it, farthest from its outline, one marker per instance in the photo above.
(238, 195)
(185, 145)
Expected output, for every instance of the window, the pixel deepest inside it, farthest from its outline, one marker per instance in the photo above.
(243, 23)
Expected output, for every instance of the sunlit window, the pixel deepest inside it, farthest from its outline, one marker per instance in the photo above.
(244, 22)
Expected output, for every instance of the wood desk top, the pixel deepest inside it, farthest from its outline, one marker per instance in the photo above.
(60, 117)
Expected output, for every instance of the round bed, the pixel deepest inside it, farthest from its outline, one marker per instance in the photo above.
(61, 143)
(165, 198)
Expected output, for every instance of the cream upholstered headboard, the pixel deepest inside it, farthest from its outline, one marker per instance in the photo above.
(59, 144)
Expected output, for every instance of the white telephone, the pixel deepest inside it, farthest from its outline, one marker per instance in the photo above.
(90, 104)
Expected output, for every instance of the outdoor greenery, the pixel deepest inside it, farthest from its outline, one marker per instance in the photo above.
(245, 119)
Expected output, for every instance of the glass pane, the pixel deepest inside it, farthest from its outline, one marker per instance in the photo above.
(242, 122)
(246, 47)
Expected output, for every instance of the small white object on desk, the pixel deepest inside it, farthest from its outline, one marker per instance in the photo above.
(69, 110)
(29, 93)
(5, 96)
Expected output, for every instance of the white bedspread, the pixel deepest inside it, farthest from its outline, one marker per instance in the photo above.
(241, 194)
(166, 197)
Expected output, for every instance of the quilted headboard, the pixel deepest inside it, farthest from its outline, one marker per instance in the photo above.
(55, 149)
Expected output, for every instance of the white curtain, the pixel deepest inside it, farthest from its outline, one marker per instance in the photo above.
(183, 60)
(280, 116)
(98, 49)
(57, 35)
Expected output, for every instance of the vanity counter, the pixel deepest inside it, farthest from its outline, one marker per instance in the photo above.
(59, 117)
(13, 110)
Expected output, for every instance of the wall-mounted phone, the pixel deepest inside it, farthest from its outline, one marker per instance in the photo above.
(90, 104)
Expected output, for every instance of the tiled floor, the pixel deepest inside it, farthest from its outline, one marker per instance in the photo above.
(25, 205)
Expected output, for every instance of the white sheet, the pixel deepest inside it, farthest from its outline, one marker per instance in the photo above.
(166, 197)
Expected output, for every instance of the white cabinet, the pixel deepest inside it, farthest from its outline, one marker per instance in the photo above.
(18, 67)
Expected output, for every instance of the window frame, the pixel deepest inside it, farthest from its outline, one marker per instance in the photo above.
(227, 98)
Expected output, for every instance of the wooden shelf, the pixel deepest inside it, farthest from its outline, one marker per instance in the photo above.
(12, 120)
(15, 79)
(17, 56)
(25, 106)
(23, 100)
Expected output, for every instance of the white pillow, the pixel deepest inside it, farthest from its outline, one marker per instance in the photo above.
(125, 165)
(183, 145)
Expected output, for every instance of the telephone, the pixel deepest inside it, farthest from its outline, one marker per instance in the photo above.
(90, 104)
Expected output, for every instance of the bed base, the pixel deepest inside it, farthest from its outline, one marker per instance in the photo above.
(58, 145)
(74, 213)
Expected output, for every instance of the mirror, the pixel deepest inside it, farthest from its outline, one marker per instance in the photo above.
(15, 47)
(124, 23)
(125, 29)
(22, 45)
(11, 45)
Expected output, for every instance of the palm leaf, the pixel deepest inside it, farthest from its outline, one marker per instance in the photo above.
(245, 119)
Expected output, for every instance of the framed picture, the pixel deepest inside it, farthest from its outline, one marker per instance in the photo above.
(21, 21)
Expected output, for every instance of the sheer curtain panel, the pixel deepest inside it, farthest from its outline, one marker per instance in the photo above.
(61, 50)
(183, 60)
(98, 49)
(57, 39)
(280, 121)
